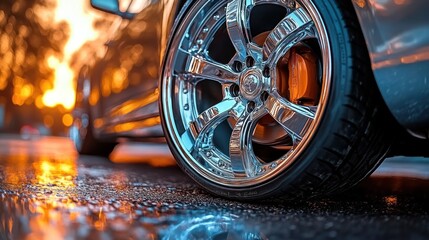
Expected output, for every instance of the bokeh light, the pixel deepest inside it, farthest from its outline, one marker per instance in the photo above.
(43, 44)
(80, 22)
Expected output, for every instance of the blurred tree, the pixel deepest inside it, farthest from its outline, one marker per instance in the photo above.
(28, 40)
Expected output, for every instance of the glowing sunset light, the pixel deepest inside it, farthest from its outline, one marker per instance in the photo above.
(63, 92)
(80, 22)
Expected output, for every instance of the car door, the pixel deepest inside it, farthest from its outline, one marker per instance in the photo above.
(128, 73)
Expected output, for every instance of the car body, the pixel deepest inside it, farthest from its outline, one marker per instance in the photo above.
(120, 91)
(397, 37)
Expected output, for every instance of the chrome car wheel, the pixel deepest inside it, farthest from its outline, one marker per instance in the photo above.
(245, 88)
(248, 89)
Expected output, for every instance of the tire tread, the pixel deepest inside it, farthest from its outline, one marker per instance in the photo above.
(335, 171)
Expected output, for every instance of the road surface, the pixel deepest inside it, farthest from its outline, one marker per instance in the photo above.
(47, 191)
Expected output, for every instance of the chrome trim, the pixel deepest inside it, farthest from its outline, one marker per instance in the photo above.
(148, 127)
(146, 105)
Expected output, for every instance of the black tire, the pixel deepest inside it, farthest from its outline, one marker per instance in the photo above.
(88, 144)
(351, 139)
(81, 131)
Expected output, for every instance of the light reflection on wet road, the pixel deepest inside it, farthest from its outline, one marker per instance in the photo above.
(48, 192)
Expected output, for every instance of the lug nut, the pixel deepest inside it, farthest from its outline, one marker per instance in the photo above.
(251, 106)
(238, 66)
(266, 72)
(250, 62)
(264, 96)
(235, 90)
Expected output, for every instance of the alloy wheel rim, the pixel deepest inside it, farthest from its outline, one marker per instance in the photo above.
(248, 87)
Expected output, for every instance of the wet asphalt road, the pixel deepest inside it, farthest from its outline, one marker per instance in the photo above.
(48, 192)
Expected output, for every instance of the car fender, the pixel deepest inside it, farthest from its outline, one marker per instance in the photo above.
(397, 38)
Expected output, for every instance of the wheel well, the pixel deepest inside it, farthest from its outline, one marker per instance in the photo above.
(408, 145)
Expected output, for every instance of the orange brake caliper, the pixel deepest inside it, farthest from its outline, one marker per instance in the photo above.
(297, 76)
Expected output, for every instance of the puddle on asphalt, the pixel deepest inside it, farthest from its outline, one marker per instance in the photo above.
(45, 193)
(54, 217)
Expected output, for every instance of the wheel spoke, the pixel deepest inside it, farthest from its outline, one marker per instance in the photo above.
(243, 160)
(214, 115)
(238, 25)
(294, 28)
(293, 118)
(203, 67)
(201, 130)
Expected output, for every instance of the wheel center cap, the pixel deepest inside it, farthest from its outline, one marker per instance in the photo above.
(251, 84)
